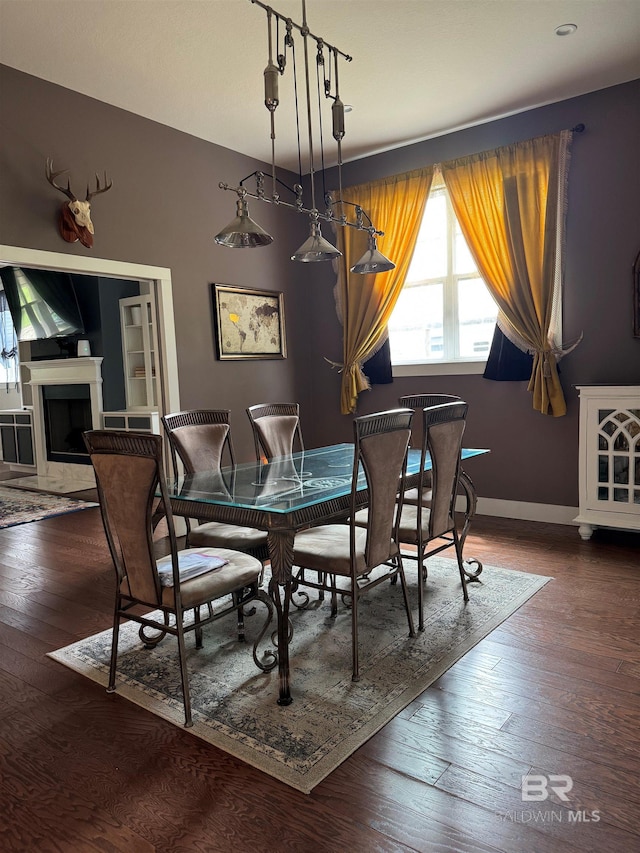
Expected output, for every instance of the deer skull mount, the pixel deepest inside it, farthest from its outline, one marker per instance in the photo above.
(75, 216)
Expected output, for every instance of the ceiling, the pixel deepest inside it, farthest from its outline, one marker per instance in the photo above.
(420, 68)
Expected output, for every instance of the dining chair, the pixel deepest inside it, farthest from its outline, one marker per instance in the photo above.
(467, 490)
(381, 441)
(276, 432)
(201, 440)
(276, 429)
(432, 520)
(418, 402)
(129, 478)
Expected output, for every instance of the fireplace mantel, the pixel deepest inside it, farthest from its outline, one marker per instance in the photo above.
(63, 371)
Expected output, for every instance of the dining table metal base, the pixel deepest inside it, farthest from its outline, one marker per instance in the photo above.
(280, 543)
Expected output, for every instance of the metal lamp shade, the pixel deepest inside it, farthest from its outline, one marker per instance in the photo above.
(243, 232)
(372, 261)
(316, 248)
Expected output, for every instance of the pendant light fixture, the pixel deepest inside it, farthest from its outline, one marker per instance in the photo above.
(243, 232)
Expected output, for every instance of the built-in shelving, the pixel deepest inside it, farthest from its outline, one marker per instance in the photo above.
(139, 349)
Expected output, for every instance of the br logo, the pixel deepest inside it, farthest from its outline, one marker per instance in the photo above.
(535, 786)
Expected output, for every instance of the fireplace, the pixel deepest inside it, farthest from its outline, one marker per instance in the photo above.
(67, 400)
(67, 414)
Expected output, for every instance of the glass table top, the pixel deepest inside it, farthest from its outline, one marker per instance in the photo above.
(284, 483)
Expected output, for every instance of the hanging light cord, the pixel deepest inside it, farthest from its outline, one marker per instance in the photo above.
(338, 123)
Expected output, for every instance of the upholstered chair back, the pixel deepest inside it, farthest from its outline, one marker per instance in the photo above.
(199, 438)
(381, 443)
(443, 427)
(276, 429)
(129, 474)
(417, 402)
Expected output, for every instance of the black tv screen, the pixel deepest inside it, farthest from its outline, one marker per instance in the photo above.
(43, 303)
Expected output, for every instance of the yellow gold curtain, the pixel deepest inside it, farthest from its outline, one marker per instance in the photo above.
(510, 204)
(365, 302)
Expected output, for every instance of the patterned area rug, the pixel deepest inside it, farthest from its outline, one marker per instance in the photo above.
(18, 506)
(234, 704)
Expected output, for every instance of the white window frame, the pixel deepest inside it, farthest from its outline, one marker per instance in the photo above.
(444, 367)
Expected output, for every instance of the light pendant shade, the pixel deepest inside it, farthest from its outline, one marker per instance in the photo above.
(243, 232)
(372, 261)
(316, 248)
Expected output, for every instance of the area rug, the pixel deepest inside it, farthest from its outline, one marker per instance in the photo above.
(234, 704)
(18, 506)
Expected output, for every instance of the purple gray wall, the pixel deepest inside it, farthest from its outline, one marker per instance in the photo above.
(165, 208)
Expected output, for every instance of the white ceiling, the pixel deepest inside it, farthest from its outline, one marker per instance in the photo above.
(420, 67)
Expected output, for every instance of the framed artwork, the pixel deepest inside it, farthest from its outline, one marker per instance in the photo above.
(249, 323)
(636, 297)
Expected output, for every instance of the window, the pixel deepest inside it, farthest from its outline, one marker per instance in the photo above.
(8, 345)
(445, 314)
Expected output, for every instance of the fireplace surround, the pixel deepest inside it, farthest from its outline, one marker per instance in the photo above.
(67, 399)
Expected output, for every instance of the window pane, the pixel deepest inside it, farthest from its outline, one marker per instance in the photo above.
(477, 314)
(8, 345)
(450, 315)
(430, 255)
(416, 327)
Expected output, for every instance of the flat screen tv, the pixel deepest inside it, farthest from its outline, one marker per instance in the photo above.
(43, 304)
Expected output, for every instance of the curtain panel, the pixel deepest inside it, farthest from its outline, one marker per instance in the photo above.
(365, 302)
(511, 206)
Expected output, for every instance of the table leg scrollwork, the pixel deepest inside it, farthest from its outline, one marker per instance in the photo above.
(281, 555)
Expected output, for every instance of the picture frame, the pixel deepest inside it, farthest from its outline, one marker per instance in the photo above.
(636, 297)
(249, 323)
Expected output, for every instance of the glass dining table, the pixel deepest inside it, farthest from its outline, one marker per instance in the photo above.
(283, 496)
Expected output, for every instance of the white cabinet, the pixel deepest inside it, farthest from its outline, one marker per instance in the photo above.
(16, 438)
(139, 421)
(139, 351)
(609, 462)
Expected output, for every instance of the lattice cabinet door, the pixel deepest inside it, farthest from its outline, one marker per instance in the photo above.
(609, 458)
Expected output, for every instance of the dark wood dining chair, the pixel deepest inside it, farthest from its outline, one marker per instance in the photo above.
(352, 552)
(130, 479)
(276, 429)
(201, 440)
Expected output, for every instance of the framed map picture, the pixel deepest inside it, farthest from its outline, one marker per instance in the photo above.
(249, 323)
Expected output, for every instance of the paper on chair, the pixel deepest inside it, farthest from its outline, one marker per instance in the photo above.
(190, 566)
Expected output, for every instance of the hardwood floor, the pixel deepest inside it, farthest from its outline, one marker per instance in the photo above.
(554, 690)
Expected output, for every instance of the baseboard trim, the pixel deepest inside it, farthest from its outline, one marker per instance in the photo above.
(548, 513)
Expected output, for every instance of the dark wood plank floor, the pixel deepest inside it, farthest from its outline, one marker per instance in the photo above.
(554, 690)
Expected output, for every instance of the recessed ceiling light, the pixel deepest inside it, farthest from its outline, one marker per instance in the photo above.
(566, 29)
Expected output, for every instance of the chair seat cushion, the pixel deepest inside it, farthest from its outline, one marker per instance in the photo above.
(214, 534)
(411, 496)
(408, 531)
(239, 571)
(326, 549)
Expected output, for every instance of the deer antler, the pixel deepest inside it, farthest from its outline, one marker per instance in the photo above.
(51, 177)
(99, 189)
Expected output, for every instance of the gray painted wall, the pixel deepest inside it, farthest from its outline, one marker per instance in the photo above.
(165, 208)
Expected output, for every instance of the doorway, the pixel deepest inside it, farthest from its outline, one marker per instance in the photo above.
(156, 280)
